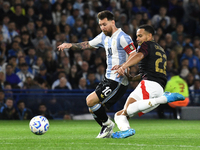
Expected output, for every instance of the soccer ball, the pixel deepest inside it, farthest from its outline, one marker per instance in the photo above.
(39, 125)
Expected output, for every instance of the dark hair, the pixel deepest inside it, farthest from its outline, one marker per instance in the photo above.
(17, 5)
(11, 22)
(196, 38)
(105, 14)
(39, 29)
(20, 101)
(62, 72)
(101, 64)
(39, 80)
(9, 98)
(31, 47)
(9, 65)
(63, 14)
(147, 28)
(187, 47)
(174, 72)
(23, 64)
(42, 104)
(90, 72)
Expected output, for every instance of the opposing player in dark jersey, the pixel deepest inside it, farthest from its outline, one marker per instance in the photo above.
(150, 91)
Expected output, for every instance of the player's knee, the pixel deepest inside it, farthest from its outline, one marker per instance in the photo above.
(92, 99)
(89, 101)
(125, 112)
(130, 111)
(119, 112)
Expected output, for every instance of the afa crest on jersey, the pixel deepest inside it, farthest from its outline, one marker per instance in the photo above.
(131, 47)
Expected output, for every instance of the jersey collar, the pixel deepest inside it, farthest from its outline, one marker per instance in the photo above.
(116, 32)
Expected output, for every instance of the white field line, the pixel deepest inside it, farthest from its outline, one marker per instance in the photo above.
(132, 144)
(127, 144)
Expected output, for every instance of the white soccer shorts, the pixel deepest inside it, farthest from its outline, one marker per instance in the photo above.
(147, 90)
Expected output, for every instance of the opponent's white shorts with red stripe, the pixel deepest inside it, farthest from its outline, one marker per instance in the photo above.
(147, 90)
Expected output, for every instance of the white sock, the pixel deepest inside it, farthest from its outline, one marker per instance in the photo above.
(161, 100)
(108, 122)
(122, 122)
(142, 105)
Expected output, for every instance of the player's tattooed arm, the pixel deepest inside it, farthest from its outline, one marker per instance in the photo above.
(75, 46)
(81, 46)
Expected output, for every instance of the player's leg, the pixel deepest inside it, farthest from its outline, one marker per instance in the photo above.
(135, 100)
(118, 91)
(96, 118)
(96, 109)
(93, 100)
(100, 115)
(121, 117)
(141, 107)
(146, 97)
(108, 92)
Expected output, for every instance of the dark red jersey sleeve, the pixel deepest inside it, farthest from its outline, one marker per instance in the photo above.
(144, 49)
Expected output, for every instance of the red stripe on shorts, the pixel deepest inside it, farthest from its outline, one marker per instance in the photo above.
(145, 94)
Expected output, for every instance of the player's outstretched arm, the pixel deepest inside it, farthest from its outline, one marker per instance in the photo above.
(118, 66)
(75, 46)
(132, 60)
(128, 75)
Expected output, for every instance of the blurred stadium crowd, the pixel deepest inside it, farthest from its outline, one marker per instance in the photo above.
(31, 30)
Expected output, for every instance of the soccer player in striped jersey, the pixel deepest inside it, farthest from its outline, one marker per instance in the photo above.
(149, 93)
(118, 45)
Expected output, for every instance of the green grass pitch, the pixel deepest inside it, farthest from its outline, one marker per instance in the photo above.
(80, 135)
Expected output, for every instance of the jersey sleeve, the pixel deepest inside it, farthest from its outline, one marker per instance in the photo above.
(143, 48)
(97, 41)
(127, 43)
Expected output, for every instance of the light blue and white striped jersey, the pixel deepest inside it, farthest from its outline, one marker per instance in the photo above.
(117, 48)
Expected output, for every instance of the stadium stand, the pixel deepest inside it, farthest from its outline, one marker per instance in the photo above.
(31, 30)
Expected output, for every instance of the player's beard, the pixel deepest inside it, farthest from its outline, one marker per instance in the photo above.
(139, 43)
(108, 32)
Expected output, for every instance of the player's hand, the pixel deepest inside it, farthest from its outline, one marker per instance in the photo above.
(64, 46)
(128, 75)
(116, 67)
(120, 71)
